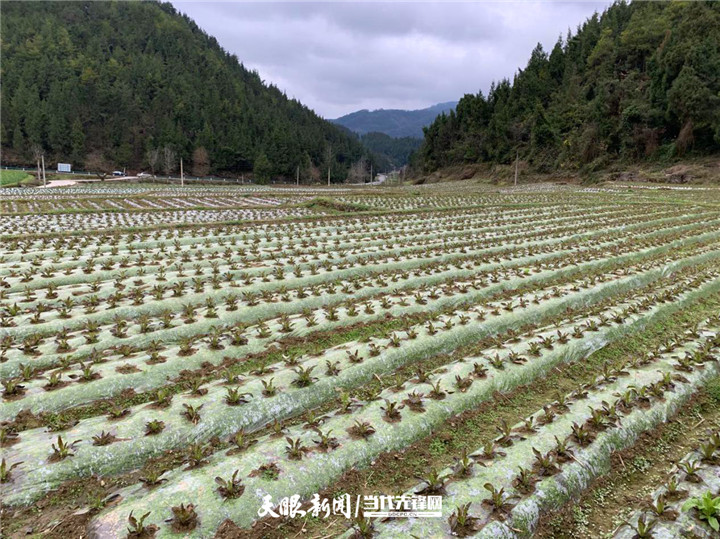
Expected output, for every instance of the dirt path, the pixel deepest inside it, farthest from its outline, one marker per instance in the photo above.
(67, 183)
(58, 183)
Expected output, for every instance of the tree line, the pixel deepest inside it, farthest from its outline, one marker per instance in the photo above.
(639, 82)
(111, 82)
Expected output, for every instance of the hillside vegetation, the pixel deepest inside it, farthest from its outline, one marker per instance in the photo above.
(390, 153)
(641, 82)
(104, 82)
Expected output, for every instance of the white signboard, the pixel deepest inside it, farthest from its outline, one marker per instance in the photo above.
(64, 167)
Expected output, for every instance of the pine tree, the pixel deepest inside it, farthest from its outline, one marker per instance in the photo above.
(77, 142)
(262, 169)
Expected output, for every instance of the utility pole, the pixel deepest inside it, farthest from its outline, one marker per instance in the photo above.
(329, 157)
(371, 176)
(517, 157)
(182, 176)
(39, 174)
(43, 169)
(297, 175)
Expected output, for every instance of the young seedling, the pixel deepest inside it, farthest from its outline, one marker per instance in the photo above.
(581, 435)
(137, 528)
(489, 451)
(672, 489)
(354, 357)
(548, 415)
(707, 450)
(230, 488)
(278, 428)
(545, 464)
(304, 377)
(361, 429)
(463, 465)
(524, 481)
(117, 412)
(268, 472)
(561, 450)
(154, 426)
(184, 517)
(505, 430)
(479, 371)
(498, 500)
(391, 411)
(326, 441)
(414, 401)
(461, 523)
(295, 449)
(332, 368)
(12, 388)
(104, 438)
(235, 398)
(269, 390)
(196, 455)
(6, 470)
(163, 398)
(63, 450)
(54, 381)
(690, 467)
(497, 362)
(436, 393)
(152, 478)
(534, 349)
(434, 481)
(363, 527)
(192, 413)
(195, 387)
(8, 436)
(463, 383)
(660, 508)
(707, 508)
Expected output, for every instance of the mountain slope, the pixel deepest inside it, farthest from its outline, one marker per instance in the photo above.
(112, 80)
(390, 153)
(393, 122)
(641, 81)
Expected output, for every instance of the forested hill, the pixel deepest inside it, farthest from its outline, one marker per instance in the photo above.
(390, 153)
(641, 81)
(113, 80)
(393, 122)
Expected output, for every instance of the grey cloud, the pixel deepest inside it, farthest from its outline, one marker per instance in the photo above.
(337, 57)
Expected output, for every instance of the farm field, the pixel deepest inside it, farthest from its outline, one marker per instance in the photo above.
(13, 178)
(171, 356)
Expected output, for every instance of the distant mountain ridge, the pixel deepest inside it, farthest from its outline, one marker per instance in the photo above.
(393, 122)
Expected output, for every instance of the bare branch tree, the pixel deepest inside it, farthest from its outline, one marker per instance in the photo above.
(97, 163)
(168, 160)
(358, 171)
(329, 156)
(153, 159)
(201, 162)
(38, 153)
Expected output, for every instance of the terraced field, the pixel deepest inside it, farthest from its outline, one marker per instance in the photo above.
(170, 357)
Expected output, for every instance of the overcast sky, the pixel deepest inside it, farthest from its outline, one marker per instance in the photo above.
(338, 57)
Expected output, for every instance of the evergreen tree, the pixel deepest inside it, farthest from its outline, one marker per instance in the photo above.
(77, 142)
(262, 169)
